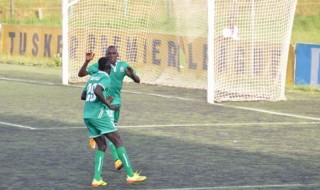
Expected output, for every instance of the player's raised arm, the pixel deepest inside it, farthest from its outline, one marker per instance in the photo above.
(83, 70)
(130, 73)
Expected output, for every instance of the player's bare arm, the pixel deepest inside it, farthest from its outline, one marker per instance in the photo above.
(83, 95)
(109, 99)
(98, 93)
(83, 70)
(134, 77)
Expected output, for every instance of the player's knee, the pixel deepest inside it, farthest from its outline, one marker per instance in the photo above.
(102, 147)
(118, 143)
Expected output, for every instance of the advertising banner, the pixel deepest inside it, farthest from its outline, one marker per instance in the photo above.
(35, 41)
(307, 64)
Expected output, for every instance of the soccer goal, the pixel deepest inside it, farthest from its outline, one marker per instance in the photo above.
(237, 50)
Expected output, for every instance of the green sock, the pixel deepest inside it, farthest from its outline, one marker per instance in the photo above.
(125, 160)
(98, 163)
(113, 151)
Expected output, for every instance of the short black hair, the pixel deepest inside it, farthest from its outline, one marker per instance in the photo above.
(104, 63)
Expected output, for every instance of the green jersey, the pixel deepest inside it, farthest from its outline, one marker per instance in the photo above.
(93, 107)
(117, 74)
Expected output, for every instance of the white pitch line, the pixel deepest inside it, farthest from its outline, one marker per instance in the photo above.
(219, 124)
(61, 128)
(159, 95)
(245, 187)
(192, 125)
(170, 125)
(24, 80)
(186, 99)
(17, 125)
(228, 106)
(272, 112)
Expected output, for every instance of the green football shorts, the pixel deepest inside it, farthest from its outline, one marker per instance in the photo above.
(97, 127)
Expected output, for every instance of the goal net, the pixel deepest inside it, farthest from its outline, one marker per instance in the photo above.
(166, 41)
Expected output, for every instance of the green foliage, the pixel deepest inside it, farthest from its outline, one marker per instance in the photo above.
(26, 60)
(28, 12)
(32, 21)
(306, 29)
(57, 60)
(307, 88)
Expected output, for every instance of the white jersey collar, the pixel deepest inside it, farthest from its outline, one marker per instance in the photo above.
(115, 66)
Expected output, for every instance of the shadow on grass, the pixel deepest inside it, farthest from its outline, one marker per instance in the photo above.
(61, 159)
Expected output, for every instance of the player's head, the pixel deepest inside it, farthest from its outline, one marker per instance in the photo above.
(112, 53)
(104, 64)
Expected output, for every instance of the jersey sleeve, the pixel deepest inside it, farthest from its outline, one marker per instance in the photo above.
(105, 83)
(126, 65)
(92, 69)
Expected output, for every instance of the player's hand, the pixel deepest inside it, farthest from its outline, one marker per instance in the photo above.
(113, 107)
(89, 56)
(129, 71)
(109, 99)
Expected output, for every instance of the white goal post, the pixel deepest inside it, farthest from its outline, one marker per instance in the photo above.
(237, 50)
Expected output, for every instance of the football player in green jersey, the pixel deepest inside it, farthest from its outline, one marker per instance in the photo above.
(98, 118)
(119, 70)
